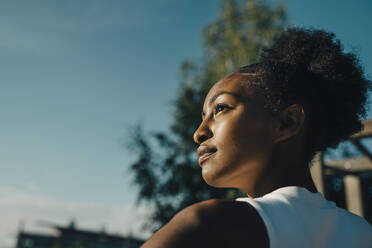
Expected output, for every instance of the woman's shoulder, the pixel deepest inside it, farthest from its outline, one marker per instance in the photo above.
(217, 223)
(225, 213)
(234, 221)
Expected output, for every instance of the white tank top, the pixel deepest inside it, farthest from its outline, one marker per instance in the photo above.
(295, 217)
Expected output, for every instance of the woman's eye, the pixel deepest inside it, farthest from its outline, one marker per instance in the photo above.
(220, 107)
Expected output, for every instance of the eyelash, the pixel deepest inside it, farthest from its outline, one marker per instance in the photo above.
(220, 107)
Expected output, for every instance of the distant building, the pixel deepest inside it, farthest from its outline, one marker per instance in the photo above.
(71, 237)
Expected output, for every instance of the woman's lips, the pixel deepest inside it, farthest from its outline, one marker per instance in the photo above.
(204, 152)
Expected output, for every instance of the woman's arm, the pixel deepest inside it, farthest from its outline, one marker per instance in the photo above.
(184, 230)
(213, 223)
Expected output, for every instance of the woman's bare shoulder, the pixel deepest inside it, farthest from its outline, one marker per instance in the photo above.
(213, 223)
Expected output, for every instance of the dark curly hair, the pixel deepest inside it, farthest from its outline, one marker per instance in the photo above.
(309, 67)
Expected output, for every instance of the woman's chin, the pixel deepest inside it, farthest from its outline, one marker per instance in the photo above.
(208, 177)
(212, 178)
(220, 175)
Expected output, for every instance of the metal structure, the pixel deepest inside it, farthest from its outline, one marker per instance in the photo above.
(350, 169)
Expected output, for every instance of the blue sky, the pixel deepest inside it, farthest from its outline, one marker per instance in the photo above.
(75, 74)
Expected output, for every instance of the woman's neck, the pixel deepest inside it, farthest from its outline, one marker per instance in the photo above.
(286, 167)
(300, 177)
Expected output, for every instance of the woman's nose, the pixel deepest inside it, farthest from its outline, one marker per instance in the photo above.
(202, 133)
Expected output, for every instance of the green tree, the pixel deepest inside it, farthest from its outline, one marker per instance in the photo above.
(166, 169)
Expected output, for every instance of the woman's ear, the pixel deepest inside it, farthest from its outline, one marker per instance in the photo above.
(291, 122)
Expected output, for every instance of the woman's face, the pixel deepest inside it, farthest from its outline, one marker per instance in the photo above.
(235, 135)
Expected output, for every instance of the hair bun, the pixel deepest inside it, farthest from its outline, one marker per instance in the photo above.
(311, 65)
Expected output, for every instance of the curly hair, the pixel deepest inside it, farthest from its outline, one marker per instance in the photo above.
(309, 67)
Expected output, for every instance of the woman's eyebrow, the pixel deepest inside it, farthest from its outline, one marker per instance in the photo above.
(221, 93)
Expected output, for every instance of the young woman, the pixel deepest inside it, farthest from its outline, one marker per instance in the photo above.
(260, 128)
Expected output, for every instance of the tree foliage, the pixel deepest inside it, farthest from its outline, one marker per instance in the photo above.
(166, 169)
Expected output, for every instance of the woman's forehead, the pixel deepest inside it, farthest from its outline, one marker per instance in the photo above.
(234, 84)
(225, 84)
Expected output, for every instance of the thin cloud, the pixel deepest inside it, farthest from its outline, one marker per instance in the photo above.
(49, 27)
